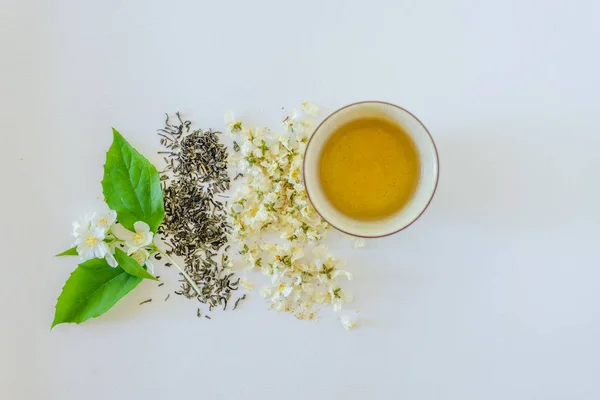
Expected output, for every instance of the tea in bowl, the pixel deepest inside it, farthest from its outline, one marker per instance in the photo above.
(371, 169)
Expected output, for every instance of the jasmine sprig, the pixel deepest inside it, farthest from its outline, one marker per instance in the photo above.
(115, 258)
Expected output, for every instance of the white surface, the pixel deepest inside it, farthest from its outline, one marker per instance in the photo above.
(493, 294)
(423, 193)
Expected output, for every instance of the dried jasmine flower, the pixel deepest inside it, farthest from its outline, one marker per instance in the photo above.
(272, 198)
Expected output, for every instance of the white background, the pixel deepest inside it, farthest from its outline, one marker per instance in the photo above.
(493, 294)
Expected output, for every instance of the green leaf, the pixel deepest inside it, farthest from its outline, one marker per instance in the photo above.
(131, 186)
(91, 290)
(131, 266)
(71, 252)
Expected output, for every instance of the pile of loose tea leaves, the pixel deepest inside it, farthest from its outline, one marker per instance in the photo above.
(195, 225)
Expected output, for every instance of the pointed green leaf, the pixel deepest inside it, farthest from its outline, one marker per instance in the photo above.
(131, 186)
(71, 252)
(91, 290)
(131, 266)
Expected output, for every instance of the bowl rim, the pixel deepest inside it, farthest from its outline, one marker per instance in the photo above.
(437, 169)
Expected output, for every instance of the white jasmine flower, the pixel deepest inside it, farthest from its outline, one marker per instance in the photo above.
(255, 171)
(142, 237)
(339, 272)
(252, 260)
(298, 128)
(259, 134)
(111, 260)
(90, 243)
(277, 272)
(290, 120)
(105, 221)
(270, 197)
(297, 253)
(302, 129)
(142, 256)
(310, 108)
(337, 305)
(275, 149)
(266, 291)
(294, 174)
(247, 284)
(348, 321)
(339, 298)
(89, 238)
(243, 165)
(282, 291)
(261, 215)
(233, 124)
(82, 225)
(313, 236)
(247, 148)
(109, 257)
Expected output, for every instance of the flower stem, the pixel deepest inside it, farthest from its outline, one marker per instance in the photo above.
(180, 269)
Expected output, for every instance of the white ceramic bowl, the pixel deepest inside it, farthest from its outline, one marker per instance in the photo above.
(425, 188)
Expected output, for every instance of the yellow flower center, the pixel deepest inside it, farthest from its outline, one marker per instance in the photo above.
(91, 241)
(103, 221)
(138, 237)
(139, 257)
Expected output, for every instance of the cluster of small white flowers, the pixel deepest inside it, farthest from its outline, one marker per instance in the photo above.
(92, 232)
(97, 236)
(273, 199)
